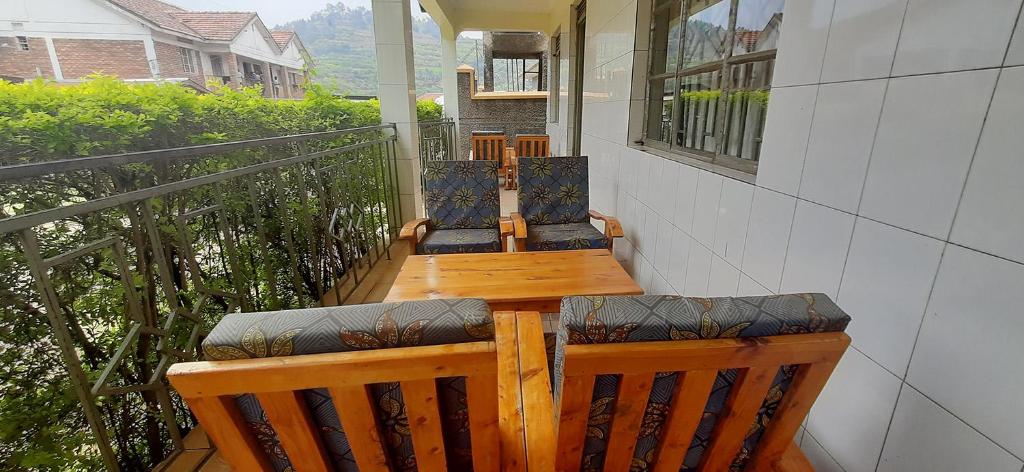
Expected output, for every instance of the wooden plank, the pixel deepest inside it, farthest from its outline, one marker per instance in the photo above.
(705, 354)
(482, 399)
(737, 416)
(421, 407)
(577, 393)
(355, 407)
(688, 401)
(795, 404)
(793, 460)
(512, 276)
(510, 415)
(295, 428)
(630, 403)
(275, 374)
(538, 408)
(224, 424)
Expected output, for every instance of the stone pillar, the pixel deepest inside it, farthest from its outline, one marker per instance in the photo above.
(396, 79)
(449, 75)
(488, 61)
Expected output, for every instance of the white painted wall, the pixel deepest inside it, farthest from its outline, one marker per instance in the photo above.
(251, 43)
(891, 180)
(68, 19)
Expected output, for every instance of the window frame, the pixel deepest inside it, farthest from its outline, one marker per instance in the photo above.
(22, 43)
(723, 66)
(189, 60)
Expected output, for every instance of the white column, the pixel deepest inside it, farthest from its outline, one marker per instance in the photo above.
(449, 76)
(396, 79)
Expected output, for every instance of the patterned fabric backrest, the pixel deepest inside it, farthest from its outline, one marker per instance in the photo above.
(462, 194)
(596, 320)
(554, 190)
(357, 328)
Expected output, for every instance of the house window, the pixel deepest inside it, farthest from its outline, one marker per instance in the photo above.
(710, 76)
(217, 66)
(23, 43)
(189, 60)
(294, 80)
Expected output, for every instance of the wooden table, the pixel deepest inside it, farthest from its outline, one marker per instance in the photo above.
(521, 281)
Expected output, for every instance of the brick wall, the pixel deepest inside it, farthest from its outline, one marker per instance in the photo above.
(169, 58)
(17, 63)
(81, 57)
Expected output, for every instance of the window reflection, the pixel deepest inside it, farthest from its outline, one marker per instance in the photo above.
(707, 32)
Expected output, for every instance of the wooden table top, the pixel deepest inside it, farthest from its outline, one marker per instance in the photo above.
(512, 280)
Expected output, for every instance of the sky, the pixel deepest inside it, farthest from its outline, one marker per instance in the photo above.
(275, 12)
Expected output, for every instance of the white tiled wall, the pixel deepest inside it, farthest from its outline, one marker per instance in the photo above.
(892, 179)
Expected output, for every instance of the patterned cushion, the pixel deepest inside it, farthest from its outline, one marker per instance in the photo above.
(457, 241)
(553, 190)
(462, 194)
(586, 320)
(564, 236)
(355, 328)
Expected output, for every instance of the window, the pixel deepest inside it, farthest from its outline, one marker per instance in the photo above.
(709, 77)
(23, 43)
(189, 60)
(294, 80)
(217, 65)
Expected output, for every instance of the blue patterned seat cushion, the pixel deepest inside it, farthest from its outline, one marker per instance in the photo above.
(457, 241)
(553, 190)
(461, 194)
(357, 328)
(560, 237)
(595, 320)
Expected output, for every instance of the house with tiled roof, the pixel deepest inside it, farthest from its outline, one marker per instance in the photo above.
(149, 40)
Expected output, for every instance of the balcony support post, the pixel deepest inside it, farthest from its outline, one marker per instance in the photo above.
(396, 79)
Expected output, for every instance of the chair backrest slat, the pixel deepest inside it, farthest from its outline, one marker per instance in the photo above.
(488, 147)
(634, 390)
(354, 404)
(573, 413)
(740, 409)
(224, 424)
(288, 412)
(482, 406)
(533, 145)
(683, 417)
(421, 407)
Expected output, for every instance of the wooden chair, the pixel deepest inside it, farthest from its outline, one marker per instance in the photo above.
(533, 145)
(463, 210)
(554, 200)
(654, 382)
(387, 387)
(487, 146)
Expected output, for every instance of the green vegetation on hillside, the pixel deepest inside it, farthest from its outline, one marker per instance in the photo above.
(341, 42)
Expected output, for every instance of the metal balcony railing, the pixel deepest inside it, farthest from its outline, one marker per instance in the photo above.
(131, 258)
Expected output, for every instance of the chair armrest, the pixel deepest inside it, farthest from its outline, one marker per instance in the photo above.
(612, 227)
(409, 230)
(505, 226)
(518, 225)
(538, 407)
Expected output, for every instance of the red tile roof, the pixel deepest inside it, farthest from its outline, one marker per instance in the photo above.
(216, 25)
(209, 25)
(282, 37)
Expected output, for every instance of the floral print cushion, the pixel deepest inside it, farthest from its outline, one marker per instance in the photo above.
(553, 190)
(595, 320)
(458, 241)
(561, 237)
(356, 328)
(462, 194)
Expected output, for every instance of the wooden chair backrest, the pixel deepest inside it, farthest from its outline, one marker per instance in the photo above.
(488, 147)
(533, 145)
(495, 425)
(758, 361)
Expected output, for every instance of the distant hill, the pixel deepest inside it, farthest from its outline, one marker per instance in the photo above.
(340, 38)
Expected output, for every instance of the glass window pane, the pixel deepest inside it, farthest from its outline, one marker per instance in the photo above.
(659, 111)
(665, 36)
(707, 29)
(699, 95)
(758, 23)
